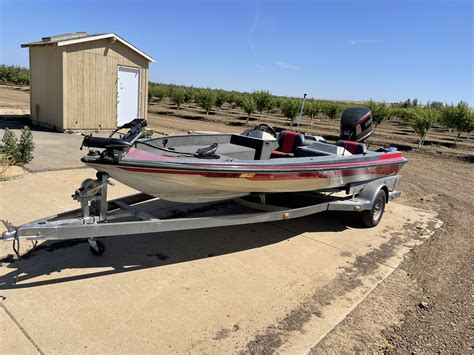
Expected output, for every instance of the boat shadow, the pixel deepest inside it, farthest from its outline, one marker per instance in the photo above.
(54, 262)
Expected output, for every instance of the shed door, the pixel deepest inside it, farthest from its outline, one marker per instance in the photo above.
(128, 94)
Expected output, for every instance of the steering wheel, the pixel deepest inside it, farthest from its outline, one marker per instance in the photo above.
(266, 128)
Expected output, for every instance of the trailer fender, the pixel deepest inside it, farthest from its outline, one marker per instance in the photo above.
(370, 191)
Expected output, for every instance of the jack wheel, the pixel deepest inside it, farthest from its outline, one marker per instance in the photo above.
(99, 250)
(373, 216)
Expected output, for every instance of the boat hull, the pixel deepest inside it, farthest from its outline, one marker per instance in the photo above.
(197, 186)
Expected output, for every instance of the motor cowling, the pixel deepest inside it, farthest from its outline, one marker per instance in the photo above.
(356, 124)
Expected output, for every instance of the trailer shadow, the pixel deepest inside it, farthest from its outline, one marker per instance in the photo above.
(129, 253)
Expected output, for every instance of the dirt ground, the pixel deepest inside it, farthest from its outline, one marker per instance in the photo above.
(427, 305)
(14, 101)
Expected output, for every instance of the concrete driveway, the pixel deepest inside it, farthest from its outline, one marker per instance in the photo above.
(254, 288)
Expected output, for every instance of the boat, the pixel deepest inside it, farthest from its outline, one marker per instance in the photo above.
(197, 168)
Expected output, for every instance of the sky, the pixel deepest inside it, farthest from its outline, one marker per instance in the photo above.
(353, 50)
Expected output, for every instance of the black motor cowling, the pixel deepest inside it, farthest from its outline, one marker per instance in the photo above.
(356, 124)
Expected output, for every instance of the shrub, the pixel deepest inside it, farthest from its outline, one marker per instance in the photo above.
(249, 106)
(26, 145)
(263, 100)
(5, 163)
(206, 99)
(290, 109)
(10, 147)
(421, 120)
(16, 152)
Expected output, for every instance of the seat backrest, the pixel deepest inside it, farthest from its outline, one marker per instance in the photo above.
(288, 141)
(353, 147)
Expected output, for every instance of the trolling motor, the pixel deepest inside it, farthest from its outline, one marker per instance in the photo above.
(135, 131)
(115, 147)
(125, 142)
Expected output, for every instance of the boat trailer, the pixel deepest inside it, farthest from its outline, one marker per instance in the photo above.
(98, 217)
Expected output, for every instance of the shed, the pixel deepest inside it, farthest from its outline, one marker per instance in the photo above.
(87, 82)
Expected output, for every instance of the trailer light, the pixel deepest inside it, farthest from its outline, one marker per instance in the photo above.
(286, 215)
(357, 208)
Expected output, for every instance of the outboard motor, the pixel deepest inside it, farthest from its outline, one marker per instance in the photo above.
(356, 124)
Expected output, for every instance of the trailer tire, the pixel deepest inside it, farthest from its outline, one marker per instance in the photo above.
(372, 217)
(99, 250)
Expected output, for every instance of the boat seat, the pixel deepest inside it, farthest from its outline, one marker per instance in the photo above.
(207, 152)
(288, 142)
(353, 147)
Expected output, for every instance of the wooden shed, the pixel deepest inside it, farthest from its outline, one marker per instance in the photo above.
(87, 82)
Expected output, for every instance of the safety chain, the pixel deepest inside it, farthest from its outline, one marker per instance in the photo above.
(16, 247)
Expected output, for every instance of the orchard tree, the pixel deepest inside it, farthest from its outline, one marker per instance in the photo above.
(206, 99)
(331, 109)
(380, 111)
(459, 117)
(403, 113)
(231, 99)
(263, 100)
(188, 95)
(470, 125)
(312, 108)
(249, 106)
(290, 109)
(177, 96)
(435, 105)
(221, 97)
(156, 92)
(421, 120)
(278, 101)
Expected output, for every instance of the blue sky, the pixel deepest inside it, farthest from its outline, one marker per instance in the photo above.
(384, 50)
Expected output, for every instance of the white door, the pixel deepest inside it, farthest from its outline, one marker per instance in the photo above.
(128, 94)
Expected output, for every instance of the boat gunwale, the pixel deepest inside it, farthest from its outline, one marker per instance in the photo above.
(242, 168)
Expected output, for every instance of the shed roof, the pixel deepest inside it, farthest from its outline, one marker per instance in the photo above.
(80, 37)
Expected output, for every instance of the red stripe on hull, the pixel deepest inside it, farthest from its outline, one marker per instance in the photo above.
(377, 170)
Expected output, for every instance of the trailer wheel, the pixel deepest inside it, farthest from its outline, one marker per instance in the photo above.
(99, 250)
(372, 217)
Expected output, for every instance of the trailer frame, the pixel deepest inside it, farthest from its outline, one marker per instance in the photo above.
(98, 217)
